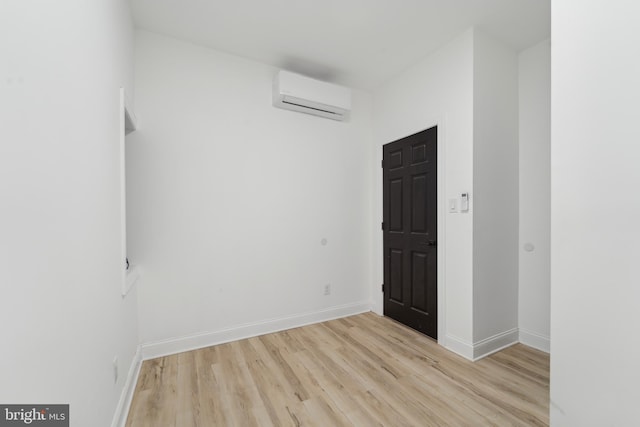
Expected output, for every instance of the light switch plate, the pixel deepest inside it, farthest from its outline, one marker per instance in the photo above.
(453, 205)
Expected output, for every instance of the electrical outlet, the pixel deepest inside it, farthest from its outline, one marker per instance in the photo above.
(327, 289)
(115, 370)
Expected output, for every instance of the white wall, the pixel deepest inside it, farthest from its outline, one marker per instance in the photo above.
(495, 194)
(535, 194)
(232, 197)
(595, 207)
(436, 91)
(62, 316)
(469, 88)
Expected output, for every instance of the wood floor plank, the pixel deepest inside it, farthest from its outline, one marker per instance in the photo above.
(187, 403)
(385, 413)
(335, 385)
(363, 370)
(157, 405)
(272, 393)
(211, 408)
(324, 414)
(283, 365)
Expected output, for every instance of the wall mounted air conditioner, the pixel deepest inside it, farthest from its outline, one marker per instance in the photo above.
(299, 93)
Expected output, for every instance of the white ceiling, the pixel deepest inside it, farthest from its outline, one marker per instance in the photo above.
(359, 43)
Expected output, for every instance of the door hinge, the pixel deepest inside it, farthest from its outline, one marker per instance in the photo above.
(382, 164)
(383, 288)
(382, 225)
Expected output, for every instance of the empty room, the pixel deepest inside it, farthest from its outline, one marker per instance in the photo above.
(305, 213)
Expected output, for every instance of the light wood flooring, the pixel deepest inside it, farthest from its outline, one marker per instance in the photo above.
(362, 370)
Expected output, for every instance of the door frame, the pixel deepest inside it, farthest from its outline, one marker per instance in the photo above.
(378, 246)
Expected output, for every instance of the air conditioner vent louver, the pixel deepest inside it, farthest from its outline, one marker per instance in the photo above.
(303, 94)
(312, 108)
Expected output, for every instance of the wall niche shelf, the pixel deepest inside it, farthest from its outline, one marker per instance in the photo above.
(128, 124)
(130, 121)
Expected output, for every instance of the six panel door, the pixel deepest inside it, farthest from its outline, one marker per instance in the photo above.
(410, 231)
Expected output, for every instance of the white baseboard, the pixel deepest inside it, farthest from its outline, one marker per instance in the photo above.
(122, 410)
(207, 339)
(458, 346)
(537, 341)
(495, 343)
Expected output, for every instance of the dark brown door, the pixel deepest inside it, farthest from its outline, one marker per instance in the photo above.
(410, 231)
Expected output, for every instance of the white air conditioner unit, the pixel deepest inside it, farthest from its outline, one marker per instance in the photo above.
(299, 93)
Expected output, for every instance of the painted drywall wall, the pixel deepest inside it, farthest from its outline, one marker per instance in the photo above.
(62, 315)
(469, 88)
(495, 193)
(436, 91)
(534, 82)
(241, 212)
(594, 214)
